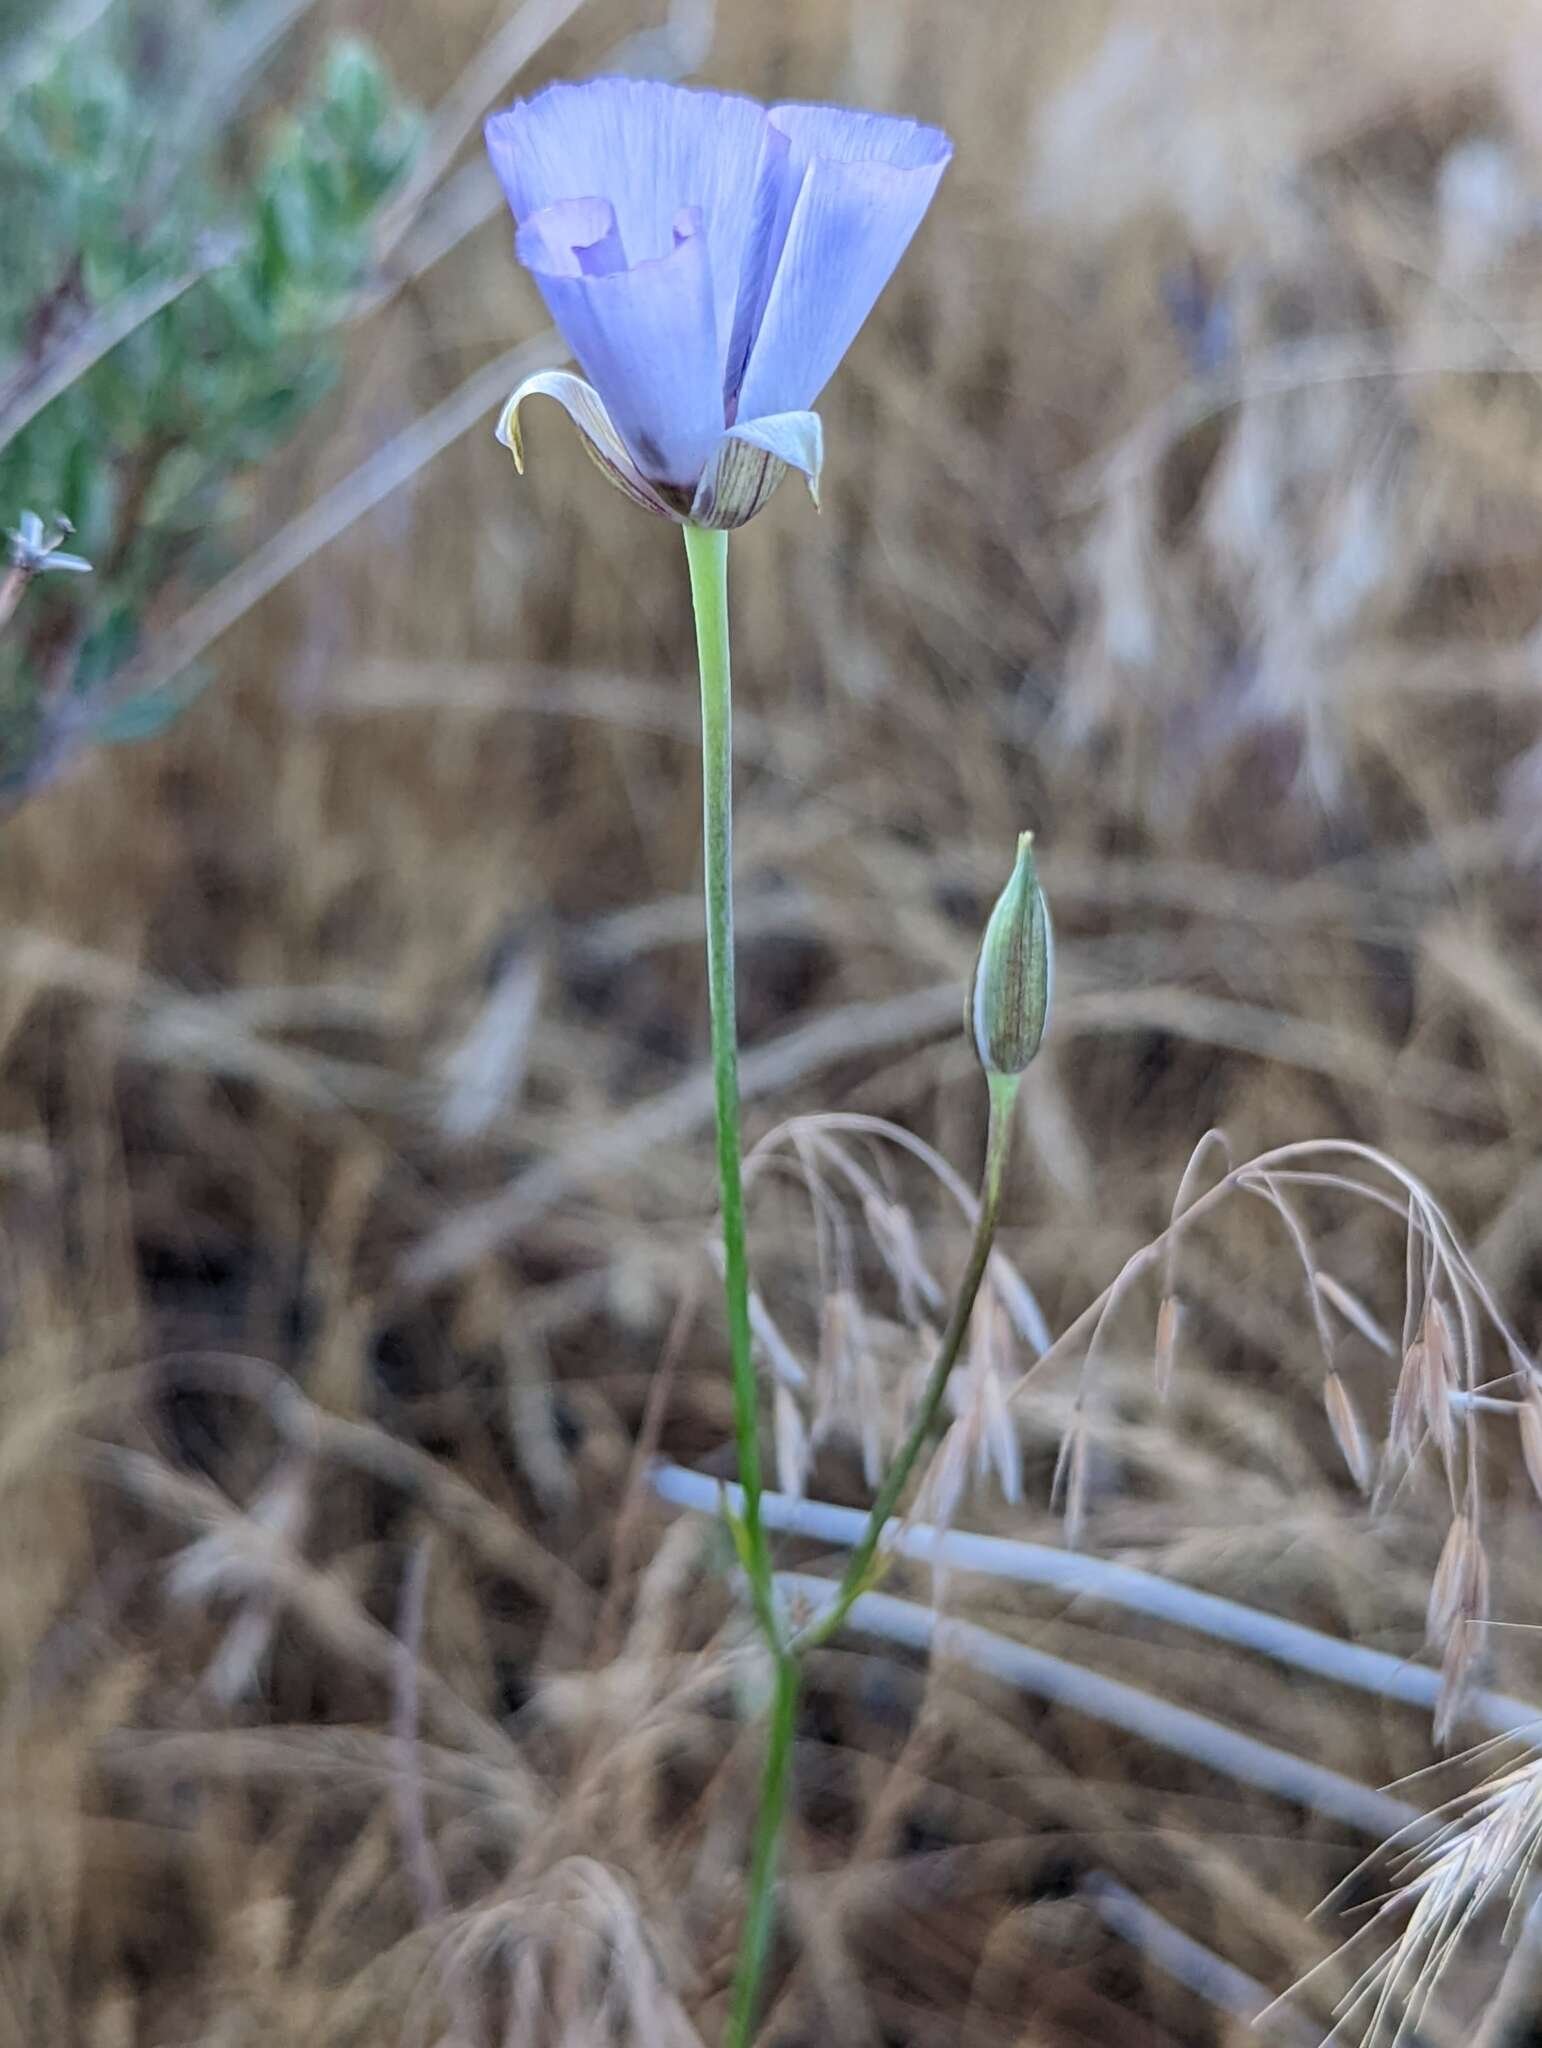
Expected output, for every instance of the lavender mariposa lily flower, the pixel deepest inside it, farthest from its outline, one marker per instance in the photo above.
(708, 261)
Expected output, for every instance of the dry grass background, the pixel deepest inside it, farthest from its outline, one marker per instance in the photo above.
(1185, 501)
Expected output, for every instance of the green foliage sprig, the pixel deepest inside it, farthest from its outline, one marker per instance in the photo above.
(169, 313)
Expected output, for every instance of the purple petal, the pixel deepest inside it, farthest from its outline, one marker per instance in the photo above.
(652, 150)
(646, 337)
(843, 136)
(866, 182)
(573, 238)
(776, 192)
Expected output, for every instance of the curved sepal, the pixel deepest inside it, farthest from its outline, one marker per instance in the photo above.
(750, 461)
(605, 447)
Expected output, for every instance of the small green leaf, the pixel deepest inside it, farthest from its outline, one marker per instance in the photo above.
(106, 648)
(144, 718)
(151, 450)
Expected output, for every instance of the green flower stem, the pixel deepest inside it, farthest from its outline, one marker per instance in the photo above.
(707, 553)
(860, 1572)
(760, 1911)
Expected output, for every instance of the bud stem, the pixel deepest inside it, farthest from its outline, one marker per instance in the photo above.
(859, 1574)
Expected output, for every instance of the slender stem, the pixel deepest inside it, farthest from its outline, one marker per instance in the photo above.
(859, 1566)
(707, 553)
(759, 1915)
(12, 585)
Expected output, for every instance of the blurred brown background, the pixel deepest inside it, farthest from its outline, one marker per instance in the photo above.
(1183, 501)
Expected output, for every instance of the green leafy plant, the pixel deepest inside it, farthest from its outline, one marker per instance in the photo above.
(170, 312)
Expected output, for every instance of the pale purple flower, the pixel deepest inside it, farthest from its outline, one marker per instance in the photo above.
(708, 261)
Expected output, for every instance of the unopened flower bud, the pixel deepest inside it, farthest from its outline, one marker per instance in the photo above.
(1009, 996)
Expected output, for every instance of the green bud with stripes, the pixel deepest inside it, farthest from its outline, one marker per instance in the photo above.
(1008, 999)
